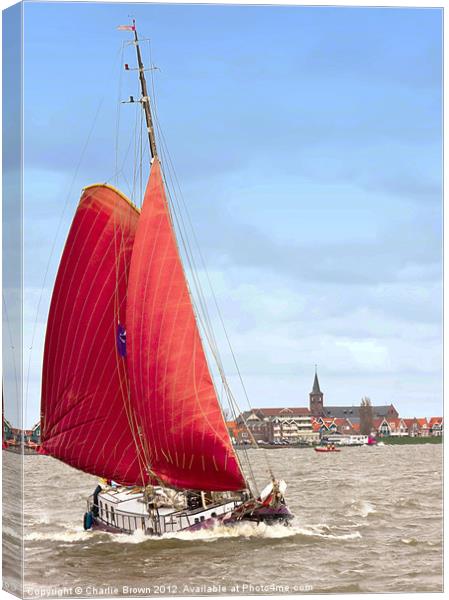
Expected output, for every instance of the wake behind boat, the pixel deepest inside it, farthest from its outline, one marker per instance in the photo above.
(127, 393)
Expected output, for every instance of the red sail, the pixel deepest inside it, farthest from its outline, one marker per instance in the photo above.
(171, 387)
(86, 418)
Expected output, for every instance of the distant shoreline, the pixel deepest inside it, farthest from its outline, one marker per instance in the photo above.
(412, 440)
(391, 441)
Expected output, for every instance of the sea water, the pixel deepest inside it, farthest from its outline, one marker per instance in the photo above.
(366, 520)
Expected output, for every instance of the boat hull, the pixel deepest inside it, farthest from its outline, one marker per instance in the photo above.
(267, 517)
(126, 513)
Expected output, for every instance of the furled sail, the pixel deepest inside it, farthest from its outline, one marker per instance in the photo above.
(87, 420)
(171, 387)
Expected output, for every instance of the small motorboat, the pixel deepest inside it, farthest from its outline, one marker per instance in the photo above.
(327, 449)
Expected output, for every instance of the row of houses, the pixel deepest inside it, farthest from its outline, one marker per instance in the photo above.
(385, 427)
(288, 426)
(14, 438)
(294, 425)
(274, 424)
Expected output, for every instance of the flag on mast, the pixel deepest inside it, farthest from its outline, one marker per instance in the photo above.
(126, 28)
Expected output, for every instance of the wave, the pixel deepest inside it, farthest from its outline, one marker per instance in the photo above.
(415, 542)
(38, 520)
(68, 535)
(362, 508)
(241, 530)
(407, 503)
(220, 532)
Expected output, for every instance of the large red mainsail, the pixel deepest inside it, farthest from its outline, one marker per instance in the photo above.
(87, 420)
(171, 387)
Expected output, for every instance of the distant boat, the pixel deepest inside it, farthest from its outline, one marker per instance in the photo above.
(127, 394)
(326, 449)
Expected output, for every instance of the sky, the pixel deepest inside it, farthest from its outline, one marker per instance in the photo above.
(307, 143)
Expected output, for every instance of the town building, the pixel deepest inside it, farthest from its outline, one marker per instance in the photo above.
(326, 426)
(293, 425)
(316, 398)
(271, 425)
(317, 408)
(436, 426)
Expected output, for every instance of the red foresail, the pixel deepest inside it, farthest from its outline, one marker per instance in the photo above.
(87, 420)
(171, 386)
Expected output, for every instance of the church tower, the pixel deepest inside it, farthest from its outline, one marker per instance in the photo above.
(316, 398)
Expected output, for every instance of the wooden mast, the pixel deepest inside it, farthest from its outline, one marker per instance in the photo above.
(145, 97)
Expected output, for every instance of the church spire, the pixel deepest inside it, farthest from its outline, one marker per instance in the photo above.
(316, 398)
(316, 383)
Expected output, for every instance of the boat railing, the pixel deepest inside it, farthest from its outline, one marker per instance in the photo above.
(126, 521)
(129, 522)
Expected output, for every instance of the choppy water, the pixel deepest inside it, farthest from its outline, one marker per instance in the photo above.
(367, 520)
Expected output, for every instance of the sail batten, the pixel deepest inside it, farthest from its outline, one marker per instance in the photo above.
(171, 386)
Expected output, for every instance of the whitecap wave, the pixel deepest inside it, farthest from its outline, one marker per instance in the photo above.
(64, 535)
(362, 508)
(241, 530)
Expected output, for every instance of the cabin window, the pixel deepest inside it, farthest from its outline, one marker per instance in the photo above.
(197, 520)
(112, 514)
(202, 518)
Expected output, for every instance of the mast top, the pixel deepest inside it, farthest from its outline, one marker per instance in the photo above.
(145, 100)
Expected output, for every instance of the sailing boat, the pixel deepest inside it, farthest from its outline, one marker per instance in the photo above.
(127, 394)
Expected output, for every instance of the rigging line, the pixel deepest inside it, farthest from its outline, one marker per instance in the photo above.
(141, 159)
(202, 311)
(119, 105)
(205, 321)
(205, 311)
(182, 230)
(137, 129)
(202, 315)
(142, 451)
(53, 247)
(190, 255)
(207, 330)
(201, 308)
(115, 174)
(207, 276)
(153, 89)
(125, 393)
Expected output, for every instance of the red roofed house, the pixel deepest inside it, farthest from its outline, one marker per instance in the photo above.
(397, 427)
(424, 429)
(382, 427)
(436, 426)
(417, 427)
(336, 425)
(344, 426)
